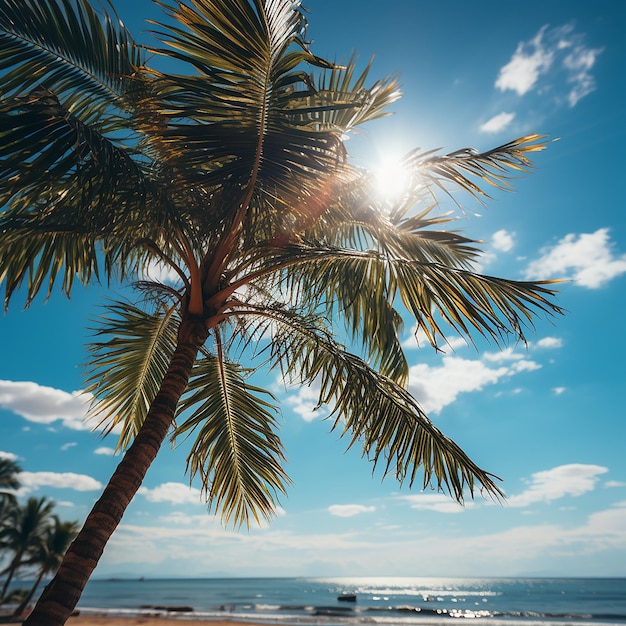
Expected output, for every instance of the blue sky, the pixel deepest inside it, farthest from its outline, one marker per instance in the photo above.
(547, 418)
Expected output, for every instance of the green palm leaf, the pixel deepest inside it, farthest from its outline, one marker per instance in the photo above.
(374, 411)
(236, 451)
(124, 371)
(466, 300)
(243, 91)
(462, 167)
(338, 85)
(66, 176)
(64, 46)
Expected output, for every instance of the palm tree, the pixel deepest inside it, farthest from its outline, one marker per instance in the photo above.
(25, 536)
(235, 178)
(9, 480)
(9, 510)
(49, 555)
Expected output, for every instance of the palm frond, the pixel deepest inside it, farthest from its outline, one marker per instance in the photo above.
(250, 114)
(125, 370)
(63, 186)
(371, 409)
(338, 86)
(354, 221)
(359, 283)
(236, 451)
(88, 61)
(464, 167)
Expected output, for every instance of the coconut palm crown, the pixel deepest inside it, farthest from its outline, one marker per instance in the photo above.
(218, 156)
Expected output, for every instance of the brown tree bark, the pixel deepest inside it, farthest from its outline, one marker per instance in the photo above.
(59, 598)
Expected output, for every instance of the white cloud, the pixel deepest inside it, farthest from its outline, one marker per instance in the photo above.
(436, 387)
(418, 339)
(579, 64)
(508, 354)
(497, 123)
(105, 451)
(550, 342)
(574, 479)
(183, 545)
(454, 343)
(502, 240)
(174, 493)
(587, 258)
(44, 405)
(529, 62)
(524, 365)
(437, 502)
(558, 391)
(303, 401)
(349, 510)
(611, 484)
(68, 445)
(9, 456)
(162, 273)
(552, 54)
(30, 481)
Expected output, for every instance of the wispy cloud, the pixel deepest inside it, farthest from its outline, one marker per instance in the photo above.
(303, 402)
(549, 342)
(349, 510)
(185, 544)
(497, 123)
(435, 387)
(417, 339)
(553, 53)
(531, 60)
(8, 455)
(31, 481)
(588, 259)
(437, 502)
(104, 450)
(574, 479)
(579, 63)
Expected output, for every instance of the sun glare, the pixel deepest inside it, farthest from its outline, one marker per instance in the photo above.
(391, 180)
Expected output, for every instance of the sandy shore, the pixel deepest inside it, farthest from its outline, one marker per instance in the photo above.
(94, 620)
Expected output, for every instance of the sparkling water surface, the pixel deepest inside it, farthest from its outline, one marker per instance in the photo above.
(386, 601)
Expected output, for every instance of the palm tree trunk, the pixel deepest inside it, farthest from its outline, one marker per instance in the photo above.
(61, 595)
(11, 569)
(29, 596)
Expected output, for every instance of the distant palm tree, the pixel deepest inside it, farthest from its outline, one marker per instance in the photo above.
(234, 178)
(9, 478)
(49, 555)
(24, 536)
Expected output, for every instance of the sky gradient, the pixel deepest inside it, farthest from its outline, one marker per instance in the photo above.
(547, 418)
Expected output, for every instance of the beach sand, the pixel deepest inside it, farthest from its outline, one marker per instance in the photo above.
(96, 620)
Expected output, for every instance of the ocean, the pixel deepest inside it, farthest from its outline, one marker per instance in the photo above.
(372, 601)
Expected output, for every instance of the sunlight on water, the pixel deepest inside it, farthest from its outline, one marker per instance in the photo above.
(387, 601)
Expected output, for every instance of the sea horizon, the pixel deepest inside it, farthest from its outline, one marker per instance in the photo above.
(362, 600)
(357, 600)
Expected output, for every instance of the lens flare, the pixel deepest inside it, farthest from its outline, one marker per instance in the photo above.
(391, 180)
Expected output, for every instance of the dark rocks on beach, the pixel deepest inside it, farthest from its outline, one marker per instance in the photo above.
(169, 609)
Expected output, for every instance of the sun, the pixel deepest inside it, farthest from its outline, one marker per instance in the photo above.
(391, 179)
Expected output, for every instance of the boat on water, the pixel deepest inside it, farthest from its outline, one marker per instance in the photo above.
(347, 597)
